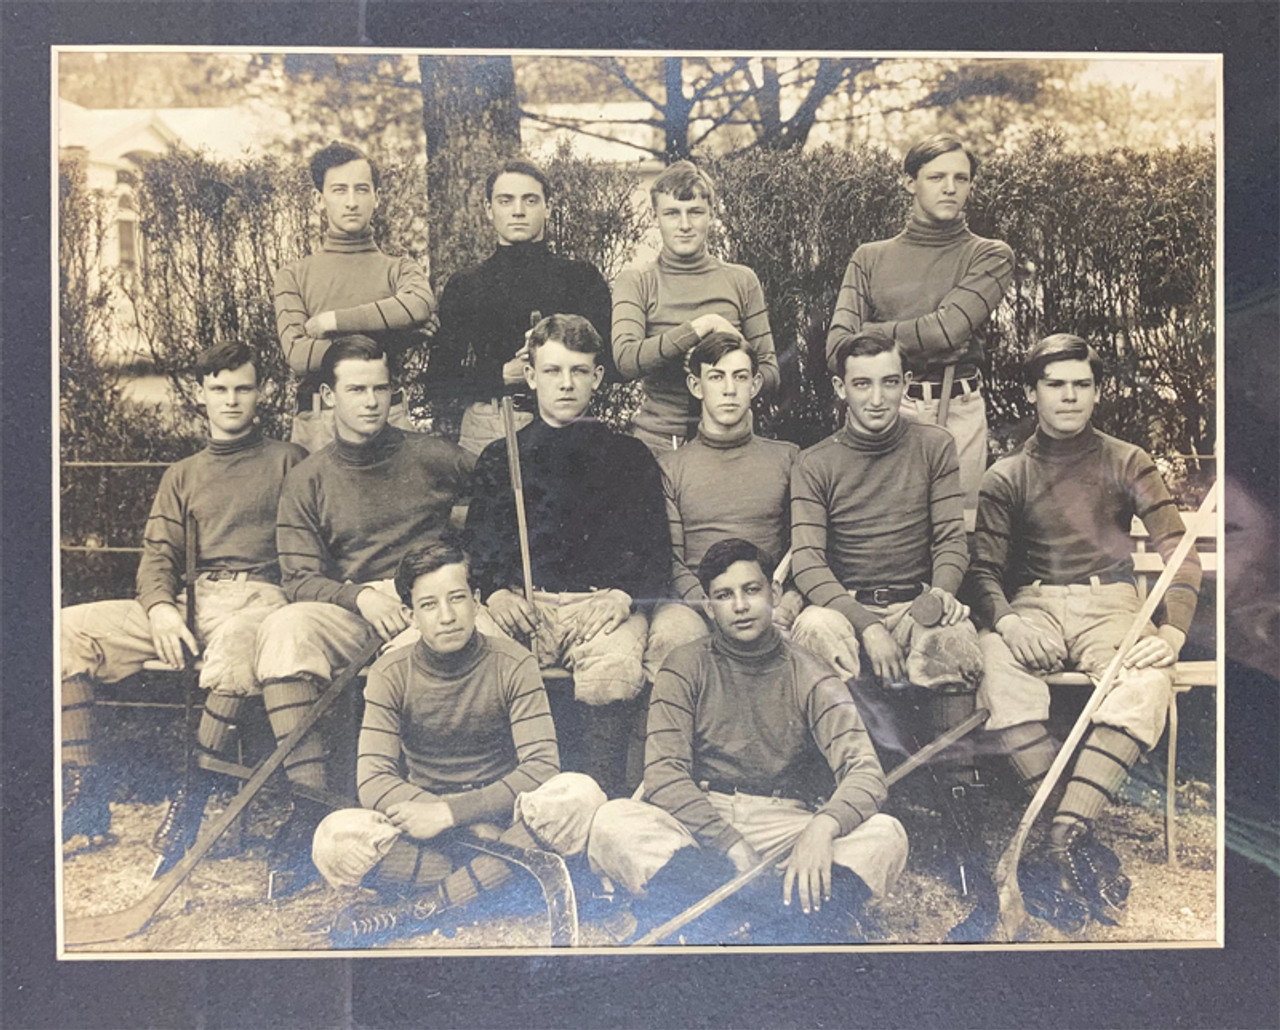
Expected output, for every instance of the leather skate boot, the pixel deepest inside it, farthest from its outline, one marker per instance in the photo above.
(181, 826)
(1067, 886)
(289, 865)
(367, 925)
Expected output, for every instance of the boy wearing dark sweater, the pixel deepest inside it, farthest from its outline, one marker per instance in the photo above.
(457, 735)
(932, 289)
(478, 352)
(347, 515)
(229, 491)
(662, 310)
(752, 742)
(725, 482)
(348, 286)
(598, 542)
(1053, 585)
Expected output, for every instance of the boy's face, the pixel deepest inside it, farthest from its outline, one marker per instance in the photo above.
(517, 209)
(564, 380)
(348, 197)
(360, 398)
(726, 389)
(872, 387)
(444, 608)
(230, 399)
(1064, 396)
(683, 223)
(941, 188)
(741, 600)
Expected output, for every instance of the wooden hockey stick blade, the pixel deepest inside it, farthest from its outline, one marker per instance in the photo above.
(552, 875)
(114, 926)
(1013, 912)
(934, 747)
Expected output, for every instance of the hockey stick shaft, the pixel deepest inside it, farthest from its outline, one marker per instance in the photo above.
(782, 848)
(944, 402)
(114, 926)
(517, 488)
(1012, 910)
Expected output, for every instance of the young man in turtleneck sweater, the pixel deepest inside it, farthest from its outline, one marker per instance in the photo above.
(661, 311)
(230, 491)
(485, 311)
(725, 482)
(932, 289)
(347, 515)
(599, 547)
(1053, 584)
(751, 742)
(457, 735)
(348, 286)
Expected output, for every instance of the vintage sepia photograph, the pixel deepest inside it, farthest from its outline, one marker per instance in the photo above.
(578, 502)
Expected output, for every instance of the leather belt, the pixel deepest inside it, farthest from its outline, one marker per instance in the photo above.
(721, 787)
(927, 391)
(881, 596)
(257, 575)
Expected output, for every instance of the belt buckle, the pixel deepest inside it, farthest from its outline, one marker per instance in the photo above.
(880, 596)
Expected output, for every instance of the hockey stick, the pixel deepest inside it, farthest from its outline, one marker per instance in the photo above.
(1012, 910)
(552, 875)
(114, 926)
(782, 848)
(944, 402)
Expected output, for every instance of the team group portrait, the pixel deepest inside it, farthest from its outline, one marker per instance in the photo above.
(564, 501)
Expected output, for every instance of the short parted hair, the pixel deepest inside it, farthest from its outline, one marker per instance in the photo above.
(517, 166)
(862, 345)
(422, 561)
(724, 553)
(574, 331)
(222, 357)
(927, 149)
(714, 346)
(1059, 347)
(683, 180)
(335, 155)
(348, 348)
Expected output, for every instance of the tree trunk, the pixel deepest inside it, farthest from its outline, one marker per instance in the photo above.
(769, 101)
(676, 110)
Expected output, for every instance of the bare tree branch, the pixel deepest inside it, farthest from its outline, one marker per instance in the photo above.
(616, 67)
(579, 127)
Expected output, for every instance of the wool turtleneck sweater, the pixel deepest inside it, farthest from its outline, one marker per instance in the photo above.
(231, 490)
(485, 312)
(370, 292)
(931, 288)
(593, 501)
(1060, 511)
(870, 511)
(764, 717)
(350, 511)
(716, 488)
(472, 729)
(653, 308)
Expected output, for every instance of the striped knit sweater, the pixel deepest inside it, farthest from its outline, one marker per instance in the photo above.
(231, 490)
(930, 288)
(763, 717)
(369, 291)
(471, 728)
(350, 512)
(876, 511)
(715, 489)
(1060, 511)
(652, 311)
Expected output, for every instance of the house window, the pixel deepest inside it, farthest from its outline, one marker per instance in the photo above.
(127, 234)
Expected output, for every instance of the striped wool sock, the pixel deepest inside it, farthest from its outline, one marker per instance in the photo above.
(220, 723)
(486, 873)
(1101, 766)
(1030, 751)
(77, 720)
(287, 701)
(408, 866)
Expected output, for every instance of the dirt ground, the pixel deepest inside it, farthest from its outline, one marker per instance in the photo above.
(222, 906)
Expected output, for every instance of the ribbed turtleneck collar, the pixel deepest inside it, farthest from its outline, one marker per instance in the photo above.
(739, 438)
(348, 243)
(381, 447)
(926, 235)
(454, 665)
(1054, 449)
(241, 443)
(675, 263)
(520, 253)
(768, 644)
(879, 443)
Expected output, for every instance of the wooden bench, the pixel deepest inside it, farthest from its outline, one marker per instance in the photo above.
(1146, 565)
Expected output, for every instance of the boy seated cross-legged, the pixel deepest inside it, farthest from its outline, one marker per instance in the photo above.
(457, 737)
